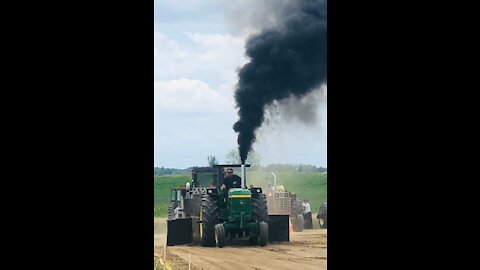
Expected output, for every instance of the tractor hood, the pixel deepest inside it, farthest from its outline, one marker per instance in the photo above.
(239, 192)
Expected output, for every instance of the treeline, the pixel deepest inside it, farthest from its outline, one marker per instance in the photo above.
(294, 167)
(271, 167)
(169, 171)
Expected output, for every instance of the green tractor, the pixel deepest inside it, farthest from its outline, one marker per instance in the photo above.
(223, 214)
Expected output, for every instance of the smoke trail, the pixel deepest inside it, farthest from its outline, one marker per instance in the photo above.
(289, 59)
(295, 109)
(249, 16)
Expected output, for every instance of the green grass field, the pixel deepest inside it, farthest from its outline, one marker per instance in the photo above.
(307, 185)
(162, 187)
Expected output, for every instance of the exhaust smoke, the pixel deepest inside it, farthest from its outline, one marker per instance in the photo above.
(287, 60)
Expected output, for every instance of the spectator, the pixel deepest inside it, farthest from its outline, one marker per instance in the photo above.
(307, 215)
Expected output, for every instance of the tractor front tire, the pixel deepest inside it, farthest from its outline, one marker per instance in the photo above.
(209, 214)
(220, 235)
(263, 237)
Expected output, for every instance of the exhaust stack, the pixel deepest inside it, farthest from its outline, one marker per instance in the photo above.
(244, 175)
(274, 180)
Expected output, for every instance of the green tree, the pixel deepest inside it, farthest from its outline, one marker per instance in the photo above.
(233, 157)
(300, 168)
(212, 160)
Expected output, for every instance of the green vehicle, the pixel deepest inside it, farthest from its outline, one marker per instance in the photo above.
(203, 212)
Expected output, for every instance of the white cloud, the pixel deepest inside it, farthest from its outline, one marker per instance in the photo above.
(190, 96)
(168, 54)
(215, 40)
(212, 58)
(194, 108)
(190, 5)
(191, 121)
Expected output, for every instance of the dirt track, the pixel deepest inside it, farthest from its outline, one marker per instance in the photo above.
(306, 250)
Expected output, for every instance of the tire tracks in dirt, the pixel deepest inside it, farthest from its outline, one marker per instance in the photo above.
(306, 250)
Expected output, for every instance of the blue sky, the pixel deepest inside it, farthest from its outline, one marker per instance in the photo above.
(196, 54)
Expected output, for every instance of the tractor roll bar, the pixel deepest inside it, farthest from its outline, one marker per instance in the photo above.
(230, 165)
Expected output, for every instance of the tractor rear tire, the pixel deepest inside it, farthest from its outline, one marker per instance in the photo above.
(263, 237)
(322, 216)
(253, 240)
(297, 208)
(297, 211)
(259, 208)
(220, 235)
(324, 219)
(209, 218)
(299, 222)
(259, 214)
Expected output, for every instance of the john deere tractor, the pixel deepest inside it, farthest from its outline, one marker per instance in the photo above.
(206, 213)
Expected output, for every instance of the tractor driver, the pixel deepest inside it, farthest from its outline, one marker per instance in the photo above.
(231, 180)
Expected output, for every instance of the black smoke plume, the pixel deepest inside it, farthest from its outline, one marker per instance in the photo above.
(290, 59)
